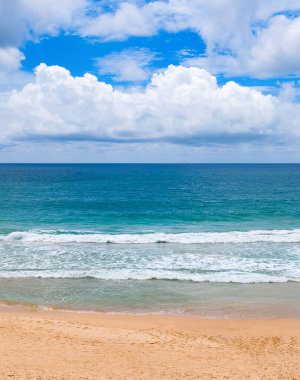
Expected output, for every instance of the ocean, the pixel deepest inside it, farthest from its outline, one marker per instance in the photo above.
(201, 239)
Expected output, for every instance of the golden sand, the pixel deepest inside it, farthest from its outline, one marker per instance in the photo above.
(70, 346)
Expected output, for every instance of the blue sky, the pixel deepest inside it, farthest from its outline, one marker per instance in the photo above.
(79, 55)
(168, 81)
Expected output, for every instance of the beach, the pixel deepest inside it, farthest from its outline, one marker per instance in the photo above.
(70, 345)
(154, 272)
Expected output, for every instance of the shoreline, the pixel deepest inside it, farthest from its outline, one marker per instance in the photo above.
(206, 300)
(11, 307)
(19, 307)
(73, 345)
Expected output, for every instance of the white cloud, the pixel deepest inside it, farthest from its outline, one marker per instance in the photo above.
(21, 20)
(128, 65)
(10, 74)
(242, 37)
(127, 20)
(276, 51)
(180, 105)
(10, 59)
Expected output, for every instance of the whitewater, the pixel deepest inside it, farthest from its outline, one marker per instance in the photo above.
(254, 256)
(253, 236)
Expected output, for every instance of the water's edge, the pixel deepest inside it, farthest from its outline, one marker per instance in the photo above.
(209, 300)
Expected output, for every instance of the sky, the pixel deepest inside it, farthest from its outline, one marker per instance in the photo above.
(149, 81)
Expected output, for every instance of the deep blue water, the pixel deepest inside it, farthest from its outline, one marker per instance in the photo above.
(131, 198)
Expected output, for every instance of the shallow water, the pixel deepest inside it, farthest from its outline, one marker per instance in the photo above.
(213, 300)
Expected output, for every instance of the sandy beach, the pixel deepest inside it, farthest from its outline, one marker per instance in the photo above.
(70, 346)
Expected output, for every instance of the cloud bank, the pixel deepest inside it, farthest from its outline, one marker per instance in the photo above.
(180, 105)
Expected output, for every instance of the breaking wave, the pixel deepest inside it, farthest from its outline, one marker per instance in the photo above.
(232, 237)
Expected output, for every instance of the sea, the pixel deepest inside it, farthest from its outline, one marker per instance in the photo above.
(210, 240)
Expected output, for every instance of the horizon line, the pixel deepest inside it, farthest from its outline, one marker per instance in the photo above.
(149, 163)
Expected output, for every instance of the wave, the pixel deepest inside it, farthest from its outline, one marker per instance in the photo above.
(233, 237)
(238, 278)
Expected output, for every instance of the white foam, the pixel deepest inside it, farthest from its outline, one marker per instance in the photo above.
(68, 254)
(120, 275)
(233, 237)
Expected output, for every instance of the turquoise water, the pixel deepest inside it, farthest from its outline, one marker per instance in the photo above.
(205, 239)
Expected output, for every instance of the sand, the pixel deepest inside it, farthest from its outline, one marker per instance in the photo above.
(71, 346)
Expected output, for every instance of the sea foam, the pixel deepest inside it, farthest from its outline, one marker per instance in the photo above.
(232, 237)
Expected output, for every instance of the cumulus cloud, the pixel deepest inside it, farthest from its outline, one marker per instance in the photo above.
(276, 51)
(258, 37)
(242, 37)
(180, 105)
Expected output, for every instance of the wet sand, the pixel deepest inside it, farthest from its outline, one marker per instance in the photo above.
(70, 346)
